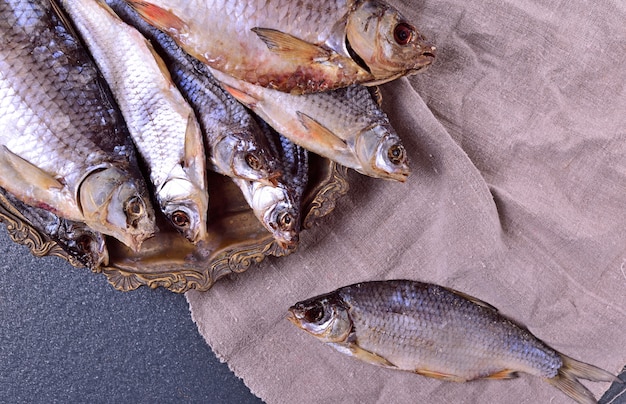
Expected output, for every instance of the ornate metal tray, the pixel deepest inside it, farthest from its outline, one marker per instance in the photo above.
(237, 239)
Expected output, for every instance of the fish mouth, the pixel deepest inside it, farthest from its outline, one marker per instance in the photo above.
(425, 59)
(293, 317)
(429, 54)
(287, 244)
(272, 179)
(400, 177)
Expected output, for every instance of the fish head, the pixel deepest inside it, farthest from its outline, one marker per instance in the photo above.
(381, 39)
(114, 203)
(325, 317)
(278, 214)
(87, 245)
(382, 153)
(186, 207)
(234, 154)
(282, 219)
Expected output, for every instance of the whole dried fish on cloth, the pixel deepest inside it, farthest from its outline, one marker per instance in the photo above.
(437, 332)
(298, 47)
(161, 123)
(64, 144)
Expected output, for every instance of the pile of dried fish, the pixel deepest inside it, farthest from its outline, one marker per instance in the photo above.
(113, 111)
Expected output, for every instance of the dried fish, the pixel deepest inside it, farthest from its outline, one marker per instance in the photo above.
(64, 146)
(278, 206)
(75, 238)
(162, 125)
(305, 46)
(437, 332)
(236, 146)
(344, 125)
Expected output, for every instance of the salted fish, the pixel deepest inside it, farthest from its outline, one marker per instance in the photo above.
(235, 144)
(437, 332)
(299, 47)
(63, 143)
(75, 238)
(279, 206)
(161, 123)
(345, 125)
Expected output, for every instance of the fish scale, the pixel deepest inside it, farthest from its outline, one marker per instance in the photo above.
(236, 147)
(437, 332)
(426, 343)
(296, 47)
(344, 125)
(162, 125)
(65, 147)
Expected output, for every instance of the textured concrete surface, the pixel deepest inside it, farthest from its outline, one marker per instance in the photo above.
(67, 336)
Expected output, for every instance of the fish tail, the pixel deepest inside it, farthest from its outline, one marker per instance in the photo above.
(567, 379)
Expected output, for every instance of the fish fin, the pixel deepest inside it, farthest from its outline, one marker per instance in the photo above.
(502, 374)
(586, 371)
(25, 169)
(439, 375)
(159, 61)
(376, 94)
(58, 11)
(291, 47)
(320, 133)
(366, 356)
(193, 142)
(241, 96)
(36, 187)
(472, 299)
(158, 17)
(567, 381)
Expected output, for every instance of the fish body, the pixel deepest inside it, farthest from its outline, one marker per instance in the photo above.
(298, 47)
(161, 123)
(436, 332)
(235, 144)
(278, 206)
(344, 125)
(63, 144)
(75, 238)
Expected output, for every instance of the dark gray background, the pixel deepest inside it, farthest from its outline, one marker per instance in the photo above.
(66, 335)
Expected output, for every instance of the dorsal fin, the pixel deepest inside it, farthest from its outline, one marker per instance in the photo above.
(472, 299)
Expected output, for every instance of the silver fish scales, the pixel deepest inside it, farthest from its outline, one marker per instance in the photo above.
(437, 332)
(235, 144)
(161, 123)
(65, 146)
(298, 47)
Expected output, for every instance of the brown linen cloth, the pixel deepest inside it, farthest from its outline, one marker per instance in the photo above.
(517, 138)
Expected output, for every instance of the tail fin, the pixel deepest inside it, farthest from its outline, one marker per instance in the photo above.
(567, 379)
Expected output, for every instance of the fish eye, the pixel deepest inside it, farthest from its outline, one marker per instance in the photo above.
(253, 161)
(134, 206)
(83, 243)
(134, 210)
(396, 154)
(403, 33)
(314, 314)
(285, 220)
(180, 219)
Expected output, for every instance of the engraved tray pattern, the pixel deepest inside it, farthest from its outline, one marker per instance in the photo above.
(167, 260)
